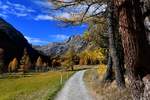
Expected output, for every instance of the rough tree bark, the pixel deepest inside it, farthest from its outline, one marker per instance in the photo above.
(112, 24)
(108, 74)
(118, 42)
(135, 43)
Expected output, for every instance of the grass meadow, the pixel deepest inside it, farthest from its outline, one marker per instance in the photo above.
(33, 86)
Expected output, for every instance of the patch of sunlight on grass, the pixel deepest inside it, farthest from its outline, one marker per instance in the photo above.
(41, 86)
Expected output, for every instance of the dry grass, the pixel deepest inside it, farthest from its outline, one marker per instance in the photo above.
(101, 69)
(35, 86)
(104, 91)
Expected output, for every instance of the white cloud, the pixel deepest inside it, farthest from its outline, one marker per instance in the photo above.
(97, 9)
(35, 40)
(64, 15)
(46, 13)
(66, 0)
(44, 17)
(15, 9)
(59, 36)
(4, 7)
(49, 6)
(44, 3)
(19, 7)
(20, 14)
(94, 9)
(3, 15)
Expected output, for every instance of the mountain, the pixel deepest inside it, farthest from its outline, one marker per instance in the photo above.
(13, 43)
(60, 48)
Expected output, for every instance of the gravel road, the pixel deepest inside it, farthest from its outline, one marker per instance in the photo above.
(74, 89)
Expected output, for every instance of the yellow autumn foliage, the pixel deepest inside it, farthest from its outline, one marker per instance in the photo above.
(13, 65)
(84, 56)
(102, 69)
(39, 62)
(92, 56)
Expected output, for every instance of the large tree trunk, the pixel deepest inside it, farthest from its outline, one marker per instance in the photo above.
(108, 74)
(119, 75)
(135, 43)
(118, 42)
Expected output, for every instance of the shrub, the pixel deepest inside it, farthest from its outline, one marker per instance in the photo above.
(102, 69)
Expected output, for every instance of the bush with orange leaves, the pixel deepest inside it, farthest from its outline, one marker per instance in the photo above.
(13, 65)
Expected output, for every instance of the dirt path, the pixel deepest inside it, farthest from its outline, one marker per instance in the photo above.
(74, 89)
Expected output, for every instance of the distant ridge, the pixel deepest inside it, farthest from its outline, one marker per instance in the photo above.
(60, 48)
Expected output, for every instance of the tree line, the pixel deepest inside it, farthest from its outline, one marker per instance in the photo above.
(66, 61)
(24, 65)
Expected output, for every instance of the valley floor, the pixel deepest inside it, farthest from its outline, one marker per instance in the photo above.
(33, 86)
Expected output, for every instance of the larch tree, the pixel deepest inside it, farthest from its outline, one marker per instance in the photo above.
(113, 49)
(28, 63)
(99, 11)
(109, 72)
(70, 58)
(25, 62)
(39, 63)
(13, 65)
(133, 37)
(98, 33)
(44, 66)
(135, 43)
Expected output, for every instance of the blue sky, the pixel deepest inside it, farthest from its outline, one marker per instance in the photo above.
(34, 18)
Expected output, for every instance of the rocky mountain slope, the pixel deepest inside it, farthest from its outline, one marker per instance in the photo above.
(60, 48)
(13, 43)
